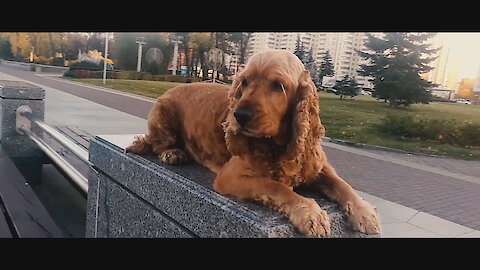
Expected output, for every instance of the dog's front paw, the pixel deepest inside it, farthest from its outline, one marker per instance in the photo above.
(363, 217)
(310, 219)
(173, 156)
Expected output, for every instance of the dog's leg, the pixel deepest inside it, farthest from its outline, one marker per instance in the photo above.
(235, 179)
(162, 137)
(361, 215)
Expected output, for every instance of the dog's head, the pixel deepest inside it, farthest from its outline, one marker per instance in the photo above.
(274, 96)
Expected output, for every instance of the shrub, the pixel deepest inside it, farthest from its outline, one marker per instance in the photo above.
(446, 131)
(397, 125)
(148, 77)
(133, 75)
(470, 134)
(159, 77)
(85, 65)
(58, 61)
(69, 74)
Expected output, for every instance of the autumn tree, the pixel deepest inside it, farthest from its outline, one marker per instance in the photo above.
(465, 89)
(20, 45)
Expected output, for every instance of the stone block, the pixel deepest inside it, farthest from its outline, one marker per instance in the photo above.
(177, 201)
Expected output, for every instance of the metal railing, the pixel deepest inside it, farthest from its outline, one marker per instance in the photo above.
(23, 126)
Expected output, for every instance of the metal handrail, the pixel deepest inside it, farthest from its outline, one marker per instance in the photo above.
(75, 175)
(76, 150)
(23, 126)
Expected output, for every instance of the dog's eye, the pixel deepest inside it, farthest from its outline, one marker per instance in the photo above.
(277, 86)
(245, 83)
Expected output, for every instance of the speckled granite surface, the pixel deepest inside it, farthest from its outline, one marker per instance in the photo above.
(135, 196)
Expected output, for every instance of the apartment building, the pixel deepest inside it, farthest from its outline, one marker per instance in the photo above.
(342, 48)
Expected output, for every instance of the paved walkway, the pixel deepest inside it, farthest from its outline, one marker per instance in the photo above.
(417, 196)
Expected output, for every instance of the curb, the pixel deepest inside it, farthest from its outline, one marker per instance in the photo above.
(376, 147)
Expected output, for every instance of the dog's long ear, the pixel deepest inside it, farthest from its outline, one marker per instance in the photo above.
(306, 126)
(237, 144)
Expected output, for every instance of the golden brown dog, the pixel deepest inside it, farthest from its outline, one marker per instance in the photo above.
(261, 137)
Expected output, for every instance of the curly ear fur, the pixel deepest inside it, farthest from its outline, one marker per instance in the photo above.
(237, 144)
(306, 129)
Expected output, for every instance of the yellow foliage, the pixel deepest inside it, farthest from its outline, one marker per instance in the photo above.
(20, 43)
(465, 89)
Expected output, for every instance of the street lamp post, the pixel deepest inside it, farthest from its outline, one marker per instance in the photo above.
(175, 55)
(140, 42)
(105, 59)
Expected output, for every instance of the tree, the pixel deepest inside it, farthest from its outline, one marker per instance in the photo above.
(326, 68)
(396, 62)
(155, 40)
(241, 40)
(5, 49)
(95, 41)
(347, 87)
(125, 51)
(20, 45)
(310, 64)
(185, 46)
(299, 50)
(201, 44)
(465, 89)
(74, 42)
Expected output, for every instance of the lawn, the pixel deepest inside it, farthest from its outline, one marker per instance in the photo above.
(354, 120)
(151, 89)
(350, 119)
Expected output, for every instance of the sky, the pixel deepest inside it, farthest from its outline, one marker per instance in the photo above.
(465, 48)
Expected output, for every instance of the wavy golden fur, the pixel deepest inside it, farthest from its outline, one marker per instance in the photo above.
(261, 136)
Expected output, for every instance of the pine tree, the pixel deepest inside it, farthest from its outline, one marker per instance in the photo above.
(5, 49)
(396, 62)
(299, 50)
(347, 87)
(326, 68)
(310, 65)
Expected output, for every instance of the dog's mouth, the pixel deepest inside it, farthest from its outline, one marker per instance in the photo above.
(250, 133)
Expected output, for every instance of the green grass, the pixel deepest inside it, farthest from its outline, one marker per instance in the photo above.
(151, 89)
(350, 119)
(354, 120)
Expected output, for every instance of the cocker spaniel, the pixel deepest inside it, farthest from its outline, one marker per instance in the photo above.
(261, 136)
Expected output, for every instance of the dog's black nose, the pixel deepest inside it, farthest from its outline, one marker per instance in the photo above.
(243, 116)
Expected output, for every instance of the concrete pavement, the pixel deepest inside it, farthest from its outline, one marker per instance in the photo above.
(65, 109)
(416, 196)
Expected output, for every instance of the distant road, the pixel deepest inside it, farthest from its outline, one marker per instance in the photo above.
(133, 106)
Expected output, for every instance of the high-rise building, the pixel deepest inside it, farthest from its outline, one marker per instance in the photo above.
(277, 40)
(341, 46)
(438, 74)
(451, 74)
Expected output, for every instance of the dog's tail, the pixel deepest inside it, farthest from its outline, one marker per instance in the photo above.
(141, 145)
